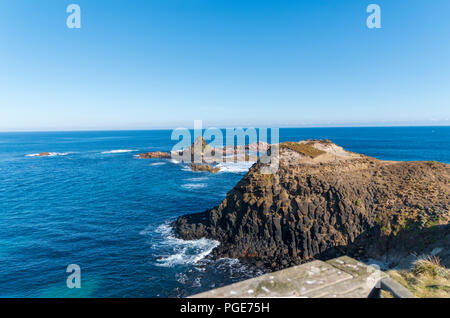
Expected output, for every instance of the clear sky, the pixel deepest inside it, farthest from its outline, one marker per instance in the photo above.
(163, 63)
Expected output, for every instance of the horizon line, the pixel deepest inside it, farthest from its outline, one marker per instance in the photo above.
(237, 126)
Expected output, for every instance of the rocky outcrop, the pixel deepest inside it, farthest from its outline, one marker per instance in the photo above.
(198, 149)
(204, 167)
(200, 152)
(43, 154)
(153, 155)
(324, 202)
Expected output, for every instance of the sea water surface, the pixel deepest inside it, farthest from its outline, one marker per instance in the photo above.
(92, 203)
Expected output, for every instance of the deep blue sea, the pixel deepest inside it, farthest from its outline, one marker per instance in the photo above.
(94, 204)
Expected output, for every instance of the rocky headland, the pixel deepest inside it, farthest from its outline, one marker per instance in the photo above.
(324, 202)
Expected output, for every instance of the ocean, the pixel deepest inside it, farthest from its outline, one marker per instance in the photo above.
(92, 203)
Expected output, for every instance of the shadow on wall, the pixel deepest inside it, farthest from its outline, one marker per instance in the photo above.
(399, 250)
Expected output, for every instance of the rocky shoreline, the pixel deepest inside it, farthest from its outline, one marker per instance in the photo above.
(325, 202)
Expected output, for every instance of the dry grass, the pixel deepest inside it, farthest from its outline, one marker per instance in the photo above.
(386, 294)
(429, 265)
(303, 149)
(321, 141)
(427, 278)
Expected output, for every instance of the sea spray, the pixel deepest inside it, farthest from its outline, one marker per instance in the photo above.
(183, 252)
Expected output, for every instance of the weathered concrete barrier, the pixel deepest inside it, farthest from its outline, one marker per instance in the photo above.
(341, 277)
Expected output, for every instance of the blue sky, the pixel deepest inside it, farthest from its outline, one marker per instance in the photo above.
(163, 63)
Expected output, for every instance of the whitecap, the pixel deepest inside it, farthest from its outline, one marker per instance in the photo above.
(51, 154)
(235, 167)
(190, 186)
(157, 164)
(197, 179)
(117, 151)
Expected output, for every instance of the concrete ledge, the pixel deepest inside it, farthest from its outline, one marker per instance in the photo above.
(342, 277)
(395, 288)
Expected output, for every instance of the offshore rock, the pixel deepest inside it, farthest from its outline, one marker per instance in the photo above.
(153, 155)
(43, 154)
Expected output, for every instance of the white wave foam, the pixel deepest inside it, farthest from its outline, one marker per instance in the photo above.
(186, 168)
(117, 151)
(190, 186)
(197, 179)
(174, 161)
(235, 167)
(234, 267)
(51, 154)
(157, 164)
(184, 252)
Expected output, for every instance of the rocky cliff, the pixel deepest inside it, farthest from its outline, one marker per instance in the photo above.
(324, 202)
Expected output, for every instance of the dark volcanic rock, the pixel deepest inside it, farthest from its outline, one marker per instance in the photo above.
(324, 205)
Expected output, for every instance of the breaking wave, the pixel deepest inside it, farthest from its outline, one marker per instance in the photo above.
(51, 154)
(183, 252)
(197, 179)
(235, 167)
(157, 164)
(117, 151)
(191, 186)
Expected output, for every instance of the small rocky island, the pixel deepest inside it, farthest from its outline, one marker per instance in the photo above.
(325, 202)
(43, 154)
(154, 155)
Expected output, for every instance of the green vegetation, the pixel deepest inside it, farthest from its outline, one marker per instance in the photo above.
(430, 265)
(303, 149)
(427, 278)
(322, 141)
(385, 230)
(386, 294)
(432, 221)
(395, 222)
